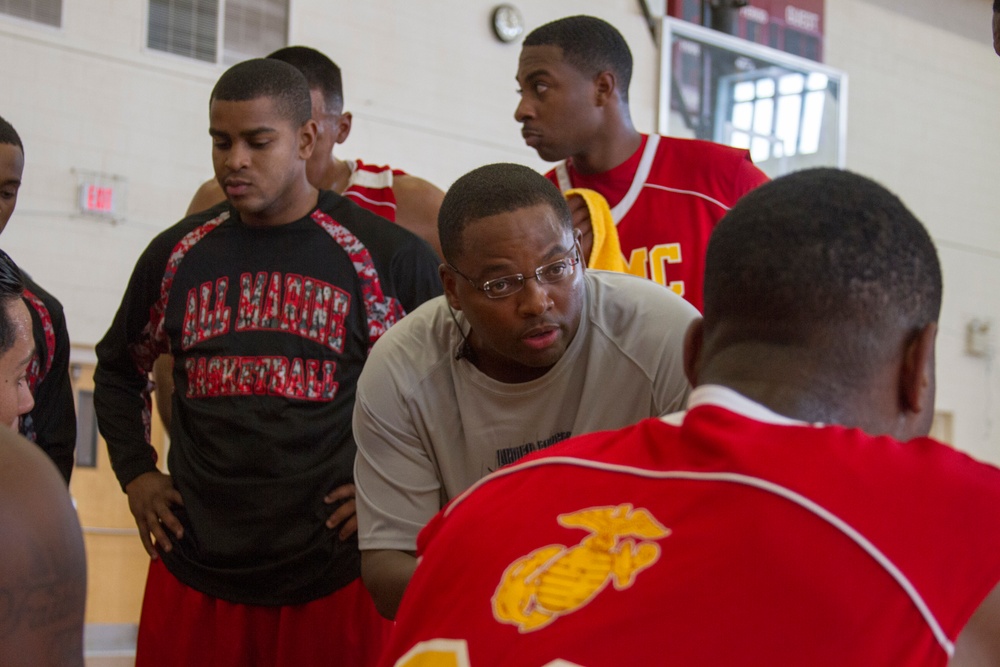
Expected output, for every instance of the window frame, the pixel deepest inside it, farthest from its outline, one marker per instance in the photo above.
(21, 20)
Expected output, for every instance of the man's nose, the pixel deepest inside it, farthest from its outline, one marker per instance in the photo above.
(524, 110)
(534, 298)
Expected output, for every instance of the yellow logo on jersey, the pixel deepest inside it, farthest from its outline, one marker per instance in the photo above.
(652, 264)
(556, 580)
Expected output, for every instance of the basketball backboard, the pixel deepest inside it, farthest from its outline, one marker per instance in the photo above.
(790, 112)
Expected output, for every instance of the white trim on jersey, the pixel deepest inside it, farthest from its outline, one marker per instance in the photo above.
(368, 179)
(376, 180)
(724, 397)
(562, 175)
(622, 208)
(693, 193)
(371, 201)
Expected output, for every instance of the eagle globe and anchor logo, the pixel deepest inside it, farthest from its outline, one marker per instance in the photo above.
(556, 580)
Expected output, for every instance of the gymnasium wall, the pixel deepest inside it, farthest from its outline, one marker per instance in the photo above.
(923, 99)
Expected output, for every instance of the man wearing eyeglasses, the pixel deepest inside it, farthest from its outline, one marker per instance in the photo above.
(524, 350)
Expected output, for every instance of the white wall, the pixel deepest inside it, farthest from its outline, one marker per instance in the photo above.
(923, 101)
(432, 92)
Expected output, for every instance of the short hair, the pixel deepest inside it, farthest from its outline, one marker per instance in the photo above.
(824, 256)
(8, 135)
(590, 45)
(491, 190)
(260, 77)
(11, 289)
(321, 73)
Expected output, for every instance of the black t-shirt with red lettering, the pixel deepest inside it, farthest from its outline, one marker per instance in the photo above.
(269, 329)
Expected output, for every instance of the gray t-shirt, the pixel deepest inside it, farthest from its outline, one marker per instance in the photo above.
(428, 424)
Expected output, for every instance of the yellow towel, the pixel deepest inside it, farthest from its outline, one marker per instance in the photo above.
(606, 252)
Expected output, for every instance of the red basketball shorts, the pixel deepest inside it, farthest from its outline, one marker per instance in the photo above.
(181, 626)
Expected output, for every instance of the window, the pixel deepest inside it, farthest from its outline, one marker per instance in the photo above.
(86, 430)
(190, 28)
(789, 111)
(48, 12)
(254, 28)
(778, 115)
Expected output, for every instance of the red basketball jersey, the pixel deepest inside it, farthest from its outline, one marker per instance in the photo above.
(666, 200)
(370, 187)
(732, 536)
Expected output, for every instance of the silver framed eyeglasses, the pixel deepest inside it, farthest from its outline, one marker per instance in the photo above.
(553, 272)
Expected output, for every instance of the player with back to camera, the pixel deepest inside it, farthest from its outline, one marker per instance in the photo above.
(795, 514)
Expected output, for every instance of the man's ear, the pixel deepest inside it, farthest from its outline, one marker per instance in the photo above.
(307, 138)
(605, 88)
(916, 373)
(449, 283)
(343, 127)
(693, 341)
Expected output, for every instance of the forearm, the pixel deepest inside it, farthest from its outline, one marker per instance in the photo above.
(122, 407)
(397, 489)
(386, 574)
(122, 400)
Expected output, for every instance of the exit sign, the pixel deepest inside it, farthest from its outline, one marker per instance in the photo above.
(97, 199)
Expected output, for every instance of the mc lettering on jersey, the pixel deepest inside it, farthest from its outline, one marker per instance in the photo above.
(291, 303)
(651, 263)
(304, 379)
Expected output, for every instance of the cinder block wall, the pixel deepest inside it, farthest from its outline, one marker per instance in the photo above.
(924, 94)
